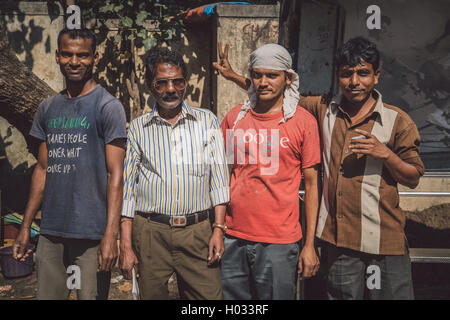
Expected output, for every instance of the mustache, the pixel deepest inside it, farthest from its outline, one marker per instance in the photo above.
(170, 96)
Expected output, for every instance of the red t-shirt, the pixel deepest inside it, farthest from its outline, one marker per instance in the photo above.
(268, 159)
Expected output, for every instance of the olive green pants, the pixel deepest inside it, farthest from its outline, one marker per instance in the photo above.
(162, 250)
(63, 264)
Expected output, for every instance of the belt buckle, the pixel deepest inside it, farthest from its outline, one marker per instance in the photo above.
(178, 221)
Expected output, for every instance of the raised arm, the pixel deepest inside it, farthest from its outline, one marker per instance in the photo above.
(224, 68)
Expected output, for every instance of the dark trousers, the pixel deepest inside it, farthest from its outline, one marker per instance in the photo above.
(354, 275)
(259, 271)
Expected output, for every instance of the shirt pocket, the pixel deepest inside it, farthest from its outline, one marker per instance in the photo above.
(196, 169)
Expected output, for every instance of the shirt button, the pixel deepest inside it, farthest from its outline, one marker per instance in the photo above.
(340, 216)
(346, 150)
(340, 193)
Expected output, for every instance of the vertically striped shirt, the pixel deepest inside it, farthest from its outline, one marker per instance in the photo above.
(175, 169)
(360, 203)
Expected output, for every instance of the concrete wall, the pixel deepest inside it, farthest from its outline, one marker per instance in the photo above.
(427, 184)
(33, 31)
(244, 28)
(320, 34)
(16, 167)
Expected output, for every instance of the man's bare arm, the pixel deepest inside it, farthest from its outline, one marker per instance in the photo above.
(107, 254)
(308, 261)
(34, 202)
(216, 246)
(127, 260)
(224, 68)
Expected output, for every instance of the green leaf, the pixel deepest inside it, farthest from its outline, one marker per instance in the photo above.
(142, 33)
(117, 38)
(109, 7)
(118, 8)
(127, 22)
(131, 37)
(130, 3)
(149, 43)
(140, 17)
(170, 33)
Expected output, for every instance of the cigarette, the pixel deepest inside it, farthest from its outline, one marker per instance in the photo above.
(359, 137)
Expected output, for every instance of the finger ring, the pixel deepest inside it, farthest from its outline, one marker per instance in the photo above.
(218, 254)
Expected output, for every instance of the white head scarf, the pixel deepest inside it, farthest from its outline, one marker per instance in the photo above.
(274, 57)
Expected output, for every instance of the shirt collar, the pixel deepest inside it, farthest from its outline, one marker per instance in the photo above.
(186, 112)
(379, 107)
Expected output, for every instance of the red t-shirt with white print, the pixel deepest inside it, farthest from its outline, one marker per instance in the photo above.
(268, 158)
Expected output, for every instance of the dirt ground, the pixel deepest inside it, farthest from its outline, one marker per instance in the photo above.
(25, 288)
(429, 228)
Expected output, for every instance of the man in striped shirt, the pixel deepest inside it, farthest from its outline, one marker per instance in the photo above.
(174, 171)
(368, 148)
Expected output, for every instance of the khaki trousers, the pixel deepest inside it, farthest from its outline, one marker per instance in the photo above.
(162, 250)
(53, 257)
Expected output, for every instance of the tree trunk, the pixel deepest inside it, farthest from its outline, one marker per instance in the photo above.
(21, 91)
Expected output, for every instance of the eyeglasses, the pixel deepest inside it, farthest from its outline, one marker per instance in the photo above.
(161, 85)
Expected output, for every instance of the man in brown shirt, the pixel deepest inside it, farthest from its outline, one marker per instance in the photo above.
(368, 147)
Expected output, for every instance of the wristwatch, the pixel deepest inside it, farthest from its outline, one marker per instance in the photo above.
(223, 227)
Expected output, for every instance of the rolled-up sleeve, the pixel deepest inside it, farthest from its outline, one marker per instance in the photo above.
(130, 171)
(220, 178)
(406, 146)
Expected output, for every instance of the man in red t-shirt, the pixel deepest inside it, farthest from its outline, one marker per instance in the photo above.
(270, 141)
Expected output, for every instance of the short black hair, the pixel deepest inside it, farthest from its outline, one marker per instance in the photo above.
(79, 33)
(163, 55)
(355, 50)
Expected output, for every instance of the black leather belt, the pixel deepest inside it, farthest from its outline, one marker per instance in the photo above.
(175, 221)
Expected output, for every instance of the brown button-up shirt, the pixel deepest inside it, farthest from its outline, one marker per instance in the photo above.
(360, 203)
